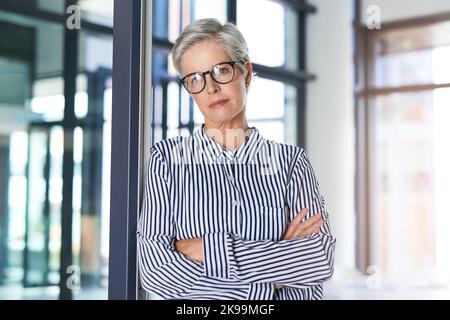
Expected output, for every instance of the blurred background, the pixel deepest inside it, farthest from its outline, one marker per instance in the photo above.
(363, 86)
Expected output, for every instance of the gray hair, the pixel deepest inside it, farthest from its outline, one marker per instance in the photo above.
(227, 35)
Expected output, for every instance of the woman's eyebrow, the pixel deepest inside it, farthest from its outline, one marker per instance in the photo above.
(215, 64)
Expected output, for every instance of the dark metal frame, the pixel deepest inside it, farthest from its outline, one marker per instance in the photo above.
(299, 5)
(70, 72)
(303, 9)
(125, 149)
(232, 11)
(4, 194)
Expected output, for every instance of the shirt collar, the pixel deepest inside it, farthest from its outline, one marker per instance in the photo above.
(215, 152)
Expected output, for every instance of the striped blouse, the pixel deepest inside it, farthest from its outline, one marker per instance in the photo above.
(240, 202)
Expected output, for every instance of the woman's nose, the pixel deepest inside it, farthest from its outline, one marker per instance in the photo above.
(211, 85)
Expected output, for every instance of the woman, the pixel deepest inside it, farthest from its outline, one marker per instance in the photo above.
(228, 214)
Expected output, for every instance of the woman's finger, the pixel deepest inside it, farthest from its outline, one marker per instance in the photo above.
(306, 224)
(293, 224)
(289, 232)
(299, 217)
(311, 229)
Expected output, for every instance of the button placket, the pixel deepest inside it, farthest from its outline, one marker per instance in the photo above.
(238, 200)
(229, 171)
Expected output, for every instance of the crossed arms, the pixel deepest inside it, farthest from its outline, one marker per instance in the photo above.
(173, 269)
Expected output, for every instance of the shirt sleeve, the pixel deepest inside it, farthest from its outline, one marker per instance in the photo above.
(298, 263)
(163, 270)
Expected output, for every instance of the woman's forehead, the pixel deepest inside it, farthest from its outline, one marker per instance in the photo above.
(203, 56)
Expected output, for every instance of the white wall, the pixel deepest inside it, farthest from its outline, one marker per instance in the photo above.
(330, 125)
(392, 10)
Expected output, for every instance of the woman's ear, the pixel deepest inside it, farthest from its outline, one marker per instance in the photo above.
(249, 67)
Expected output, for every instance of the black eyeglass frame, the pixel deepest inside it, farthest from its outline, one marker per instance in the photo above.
(203, 74)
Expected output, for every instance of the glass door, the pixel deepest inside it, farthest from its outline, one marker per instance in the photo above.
(42, 215)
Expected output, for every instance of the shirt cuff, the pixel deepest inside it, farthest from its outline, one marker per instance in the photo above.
(218, 258)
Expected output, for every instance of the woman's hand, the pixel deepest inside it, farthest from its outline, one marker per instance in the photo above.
(192, 248)
(297, 228)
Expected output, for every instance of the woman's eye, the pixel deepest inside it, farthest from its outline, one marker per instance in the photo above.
(194, 80)
(223, 70)
(220, 70)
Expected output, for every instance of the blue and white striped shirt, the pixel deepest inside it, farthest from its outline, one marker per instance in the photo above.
(240, 202)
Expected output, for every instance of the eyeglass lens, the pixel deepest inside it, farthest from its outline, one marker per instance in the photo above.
(221, 73)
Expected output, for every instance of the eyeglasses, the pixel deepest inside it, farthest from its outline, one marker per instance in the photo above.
(221, 73)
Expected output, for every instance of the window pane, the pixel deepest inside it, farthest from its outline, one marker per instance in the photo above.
(211, 9)
(56, 6)
(32, 151)
(97, 11)
(409, 56)
(271, 130)
(31, 82)
(266, 99)
(410, 185)
(441, 65)
(48, 92)
(277, 47)
(277, 102)
(398, 69)
(91, 164)
(183, 12)
(259, 49)
(173, 104)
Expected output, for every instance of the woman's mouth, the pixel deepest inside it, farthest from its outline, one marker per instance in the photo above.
(218, 103)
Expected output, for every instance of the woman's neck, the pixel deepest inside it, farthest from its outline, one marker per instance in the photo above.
(229, 136)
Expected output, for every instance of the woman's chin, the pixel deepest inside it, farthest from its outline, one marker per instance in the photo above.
(220, 116)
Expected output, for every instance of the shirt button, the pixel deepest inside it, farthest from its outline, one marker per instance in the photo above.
(235, 202)
(230, 178)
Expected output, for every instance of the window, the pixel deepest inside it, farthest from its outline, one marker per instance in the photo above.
(48, 143)
(276, 114)
(408, 177)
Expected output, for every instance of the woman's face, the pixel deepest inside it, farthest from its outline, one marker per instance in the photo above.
(202, 57)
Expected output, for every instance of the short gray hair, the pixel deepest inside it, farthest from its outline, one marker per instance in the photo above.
(227, 35)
